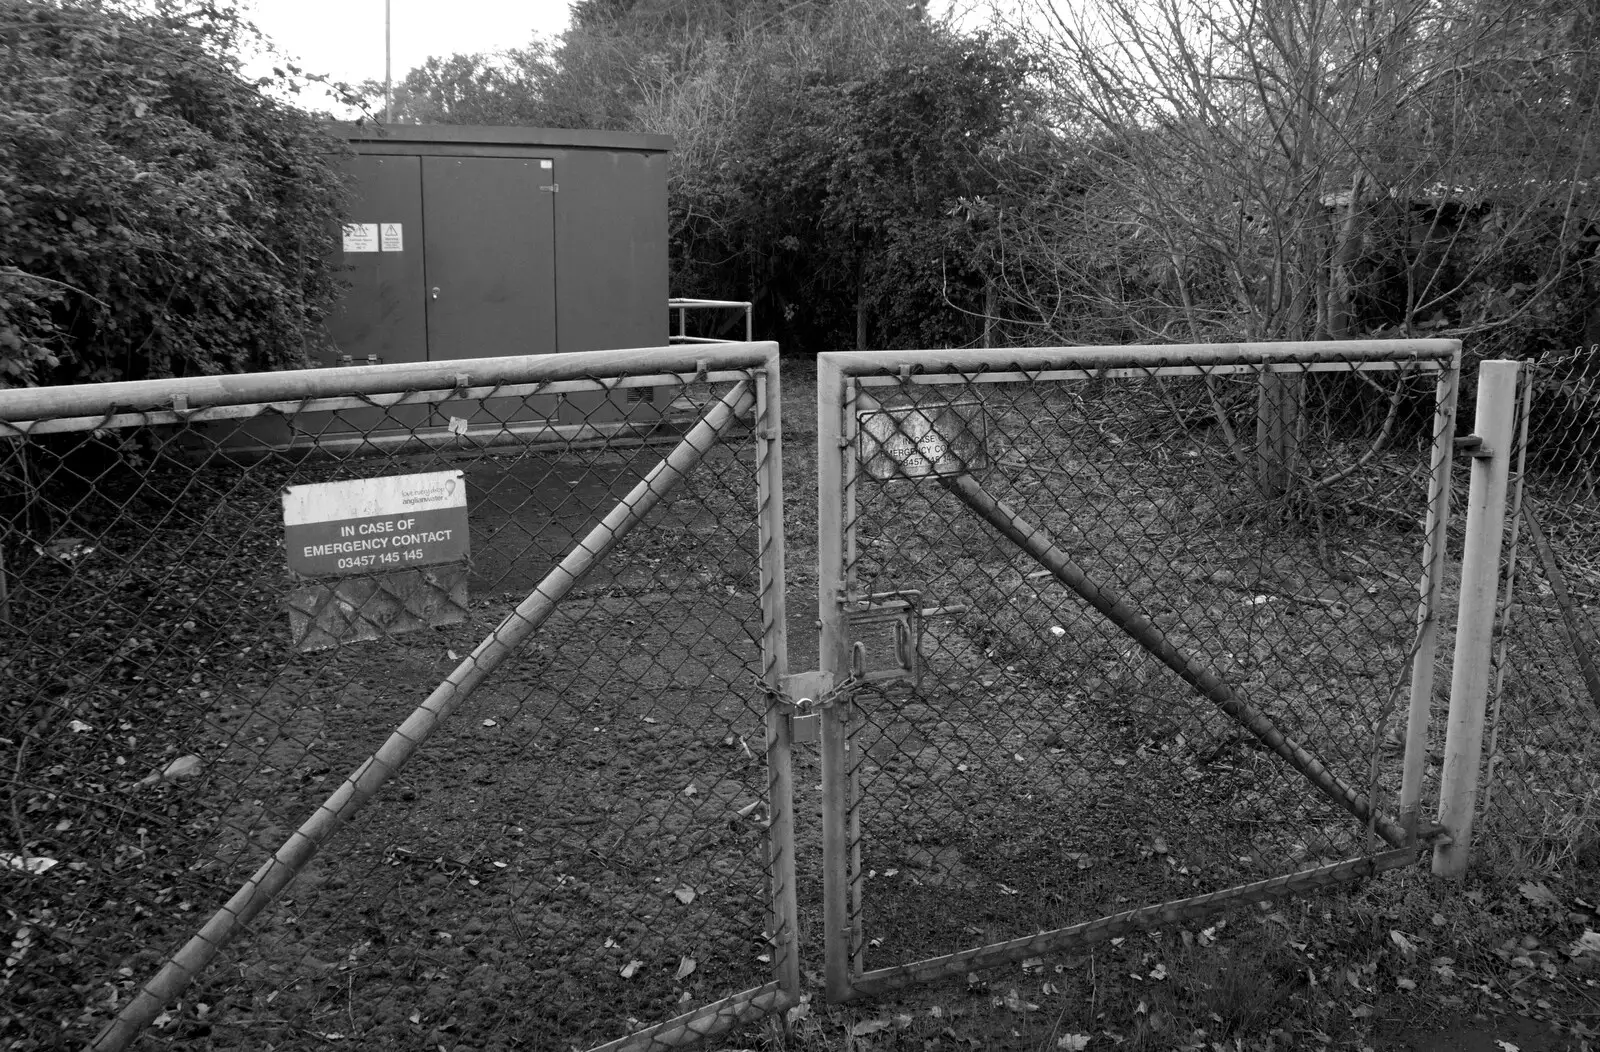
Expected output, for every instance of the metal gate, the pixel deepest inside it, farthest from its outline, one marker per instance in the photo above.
(1109, 638)
(581, 830)
(1112, 638)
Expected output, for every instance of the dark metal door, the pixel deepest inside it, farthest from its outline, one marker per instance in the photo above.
(383, 313)
(490, 250)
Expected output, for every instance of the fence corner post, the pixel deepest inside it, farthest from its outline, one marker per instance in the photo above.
(1480, 582)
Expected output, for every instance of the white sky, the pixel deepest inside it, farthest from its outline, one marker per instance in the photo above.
(344, 38)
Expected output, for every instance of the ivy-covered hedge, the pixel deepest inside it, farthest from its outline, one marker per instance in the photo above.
(159, 214)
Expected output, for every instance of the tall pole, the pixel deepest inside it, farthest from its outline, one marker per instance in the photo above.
(386, 67)
(1475, 617)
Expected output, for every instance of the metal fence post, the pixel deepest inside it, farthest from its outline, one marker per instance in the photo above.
(833, 657)
(1480, 581)
(1508, 584)
(785, 922)
(1420, 711)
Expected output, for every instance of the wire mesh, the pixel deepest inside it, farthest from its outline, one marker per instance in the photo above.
(1259, 536)
(1542, 781)
(579, 850)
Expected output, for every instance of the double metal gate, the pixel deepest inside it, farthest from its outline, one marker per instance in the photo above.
(1109, 638)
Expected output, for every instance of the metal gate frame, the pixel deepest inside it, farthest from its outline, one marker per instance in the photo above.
(843, 382)
(752, 368)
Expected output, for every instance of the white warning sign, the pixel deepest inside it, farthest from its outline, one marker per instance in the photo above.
(392, 241)
(361, 237)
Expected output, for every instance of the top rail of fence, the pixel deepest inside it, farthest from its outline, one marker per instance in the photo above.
(1046, 363)
(89, 400)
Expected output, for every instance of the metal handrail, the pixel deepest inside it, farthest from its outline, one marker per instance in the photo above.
(682, 305)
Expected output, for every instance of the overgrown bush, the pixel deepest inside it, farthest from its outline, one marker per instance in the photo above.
(160, 215)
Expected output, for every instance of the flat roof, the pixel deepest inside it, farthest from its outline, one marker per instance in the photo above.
(476, 135)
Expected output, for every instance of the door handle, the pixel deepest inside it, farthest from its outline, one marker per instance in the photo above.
(434, 292)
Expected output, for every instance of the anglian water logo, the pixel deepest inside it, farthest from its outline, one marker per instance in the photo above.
(428, 496)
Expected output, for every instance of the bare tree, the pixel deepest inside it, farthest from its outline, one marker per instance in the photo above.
(1309, 169)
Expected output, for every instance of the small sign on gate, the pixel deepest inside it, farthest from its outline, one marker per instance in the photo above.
(923, 441)
(390, 554)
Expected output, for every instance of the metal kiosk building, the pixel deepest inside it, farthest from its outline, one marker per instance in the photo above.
(474, 242)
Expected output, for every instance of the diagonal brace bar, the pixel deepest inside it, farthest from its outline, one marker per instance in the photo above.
(1127, 617)
(276, 873)
(885, 980)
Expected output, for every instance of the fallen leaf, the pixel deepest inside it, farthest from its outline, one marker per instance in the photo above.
(182, 767)
(686, 968)
(684, 894)
(1539, 894)
(1014, 1001)
(489, 723)
(452, 655)
(1585, 945)
(78, 726)
(1159, 972)
(869, 1026)
(1073, 1042)
(1407, 948)
(66, 549)
(27, 863)
(1506, 1046)
(631, 969)
(1006, 889)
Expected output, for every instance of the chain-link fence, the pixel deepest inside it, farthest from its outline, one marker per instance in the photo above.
(1119, 628)
(576, 830)
(1542, 784)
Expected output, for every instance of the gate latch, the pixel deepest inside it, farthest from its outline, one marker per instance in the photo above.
(886, 633)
